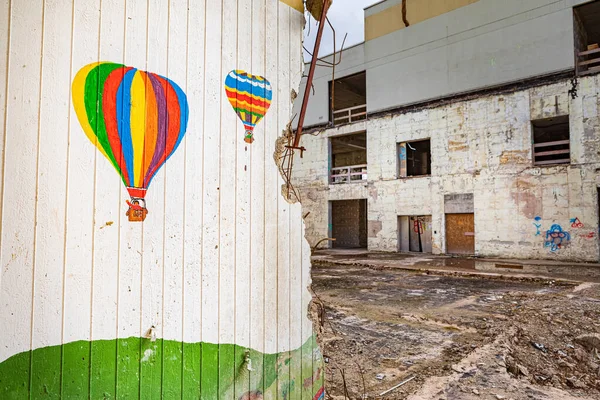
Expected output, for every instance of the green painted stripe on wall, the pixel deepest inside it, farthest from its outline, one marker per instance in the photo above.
(75, 370)
(103, 369)
(136, 368)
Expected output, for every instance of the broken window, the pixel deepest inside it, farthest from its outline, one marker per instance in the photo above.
(348, 99)
(414, 158)
(587, 37)
(551, 141)
(349, 158)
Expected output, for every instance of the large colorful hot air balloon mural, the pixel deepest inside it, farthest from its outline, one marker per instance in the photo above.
(136, 119)
(250, 96)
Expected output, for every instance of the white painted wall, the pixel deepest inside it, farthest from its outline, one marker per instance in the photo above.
(221, 257)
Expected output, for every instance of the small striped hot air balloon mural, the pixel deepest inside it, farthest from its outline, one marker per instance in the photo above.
(136, 119)
(250, 96)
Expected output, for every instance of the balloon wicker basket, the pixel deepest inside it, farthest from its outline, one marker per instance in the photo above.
(137, 210)
(249, 138)
(137, 206)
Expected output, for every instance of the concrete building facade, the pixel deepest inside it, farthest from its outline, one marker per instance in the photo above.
(482, 140)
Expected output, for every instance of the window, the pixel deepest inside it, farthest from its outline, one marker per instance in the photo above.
(348, 158)
(586, 24)
(551, 141)
(348, 99)
(414, 158)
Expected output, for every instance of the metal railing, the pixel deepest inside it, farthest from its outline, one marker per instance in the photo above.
(588, 62)
(352, 173)
(351, 114)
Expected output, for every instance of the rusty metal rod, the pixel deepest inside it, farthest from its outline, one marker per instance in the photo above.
(311, 73)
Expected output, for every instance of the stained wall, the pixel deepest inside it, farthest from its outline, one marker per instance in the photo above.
(207, 298)
(483, 147)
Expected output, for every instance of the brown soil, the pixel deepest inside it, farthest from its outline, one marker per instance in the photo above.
(461, 337)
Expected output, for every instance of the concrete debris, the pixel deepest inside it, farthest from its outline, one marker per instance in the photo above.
(535, 341)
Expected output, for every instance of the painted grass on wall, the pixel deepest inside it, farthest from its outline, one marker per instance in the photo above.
(141, 369)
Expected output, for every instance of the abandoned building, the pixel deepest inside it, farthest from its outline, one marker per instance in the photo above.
(459, 127)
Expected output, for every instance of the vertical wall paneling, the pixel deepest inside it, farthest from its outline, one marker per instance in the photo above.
(20, 170)
(272, 125)
(192, 251)
(243, 206)
(79, 225)
(258, 155)
(155, 51)
(283, 207)
(296, 238)
(211, 195)
(108, 218)
(154, 233)
(228, 211)
(4, 57)
(205, 298)
(174, 172)
(131, 249)
(52, 168)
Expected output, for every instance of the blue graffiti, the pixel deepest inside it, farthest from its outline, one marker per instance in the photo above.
(556, 238)
(402, 153)
(538, 225)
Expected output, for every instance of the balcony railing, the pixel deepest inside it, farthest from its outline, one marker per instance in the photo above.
(588, 62)
(351, 114)
(352, 173)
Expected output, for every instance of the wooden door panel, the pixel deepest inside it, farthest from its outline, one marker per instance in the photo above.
(460, 233)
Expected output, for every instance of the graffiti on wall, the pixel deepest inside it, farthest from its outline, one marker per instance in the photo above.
(136, 119)
(576, 223)
(556, 238)
(589, 235)
(402, 153)
(538, 225)
(250, 96)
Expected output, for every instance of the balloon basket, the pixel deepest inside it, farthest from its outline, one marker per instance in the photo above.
(137, 210)
(249, 138)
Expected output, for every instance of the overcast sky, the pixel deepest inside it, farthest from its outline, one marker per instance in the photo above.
(346, 16)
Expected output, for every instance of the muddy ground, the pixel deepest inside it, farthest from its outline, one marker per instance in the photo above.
(459, 336)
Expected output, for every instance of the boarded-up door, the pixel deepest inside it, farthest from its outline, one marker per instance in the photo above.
(349, 223)
(460, 233)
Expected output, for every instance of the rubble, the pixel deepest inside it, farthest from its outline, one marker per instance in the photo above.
(464, 338)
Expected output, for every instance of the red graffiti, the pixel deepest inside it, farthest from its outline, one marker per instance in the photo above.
(576, 223)
(589, 235)
(418, 227)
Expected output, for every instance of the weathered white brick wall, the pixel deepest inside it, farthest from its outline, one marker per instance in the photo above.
(481, 146)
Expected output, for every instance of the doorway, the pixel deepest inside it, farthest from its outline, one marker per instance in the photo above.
(460, 233)
(414, 234)
(349, 223)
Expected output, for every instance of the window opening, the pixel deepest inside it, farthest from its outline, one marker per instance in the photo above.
(586, 23)
(551, 143)
(348, 158)
(348, 99)
(414, 158)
